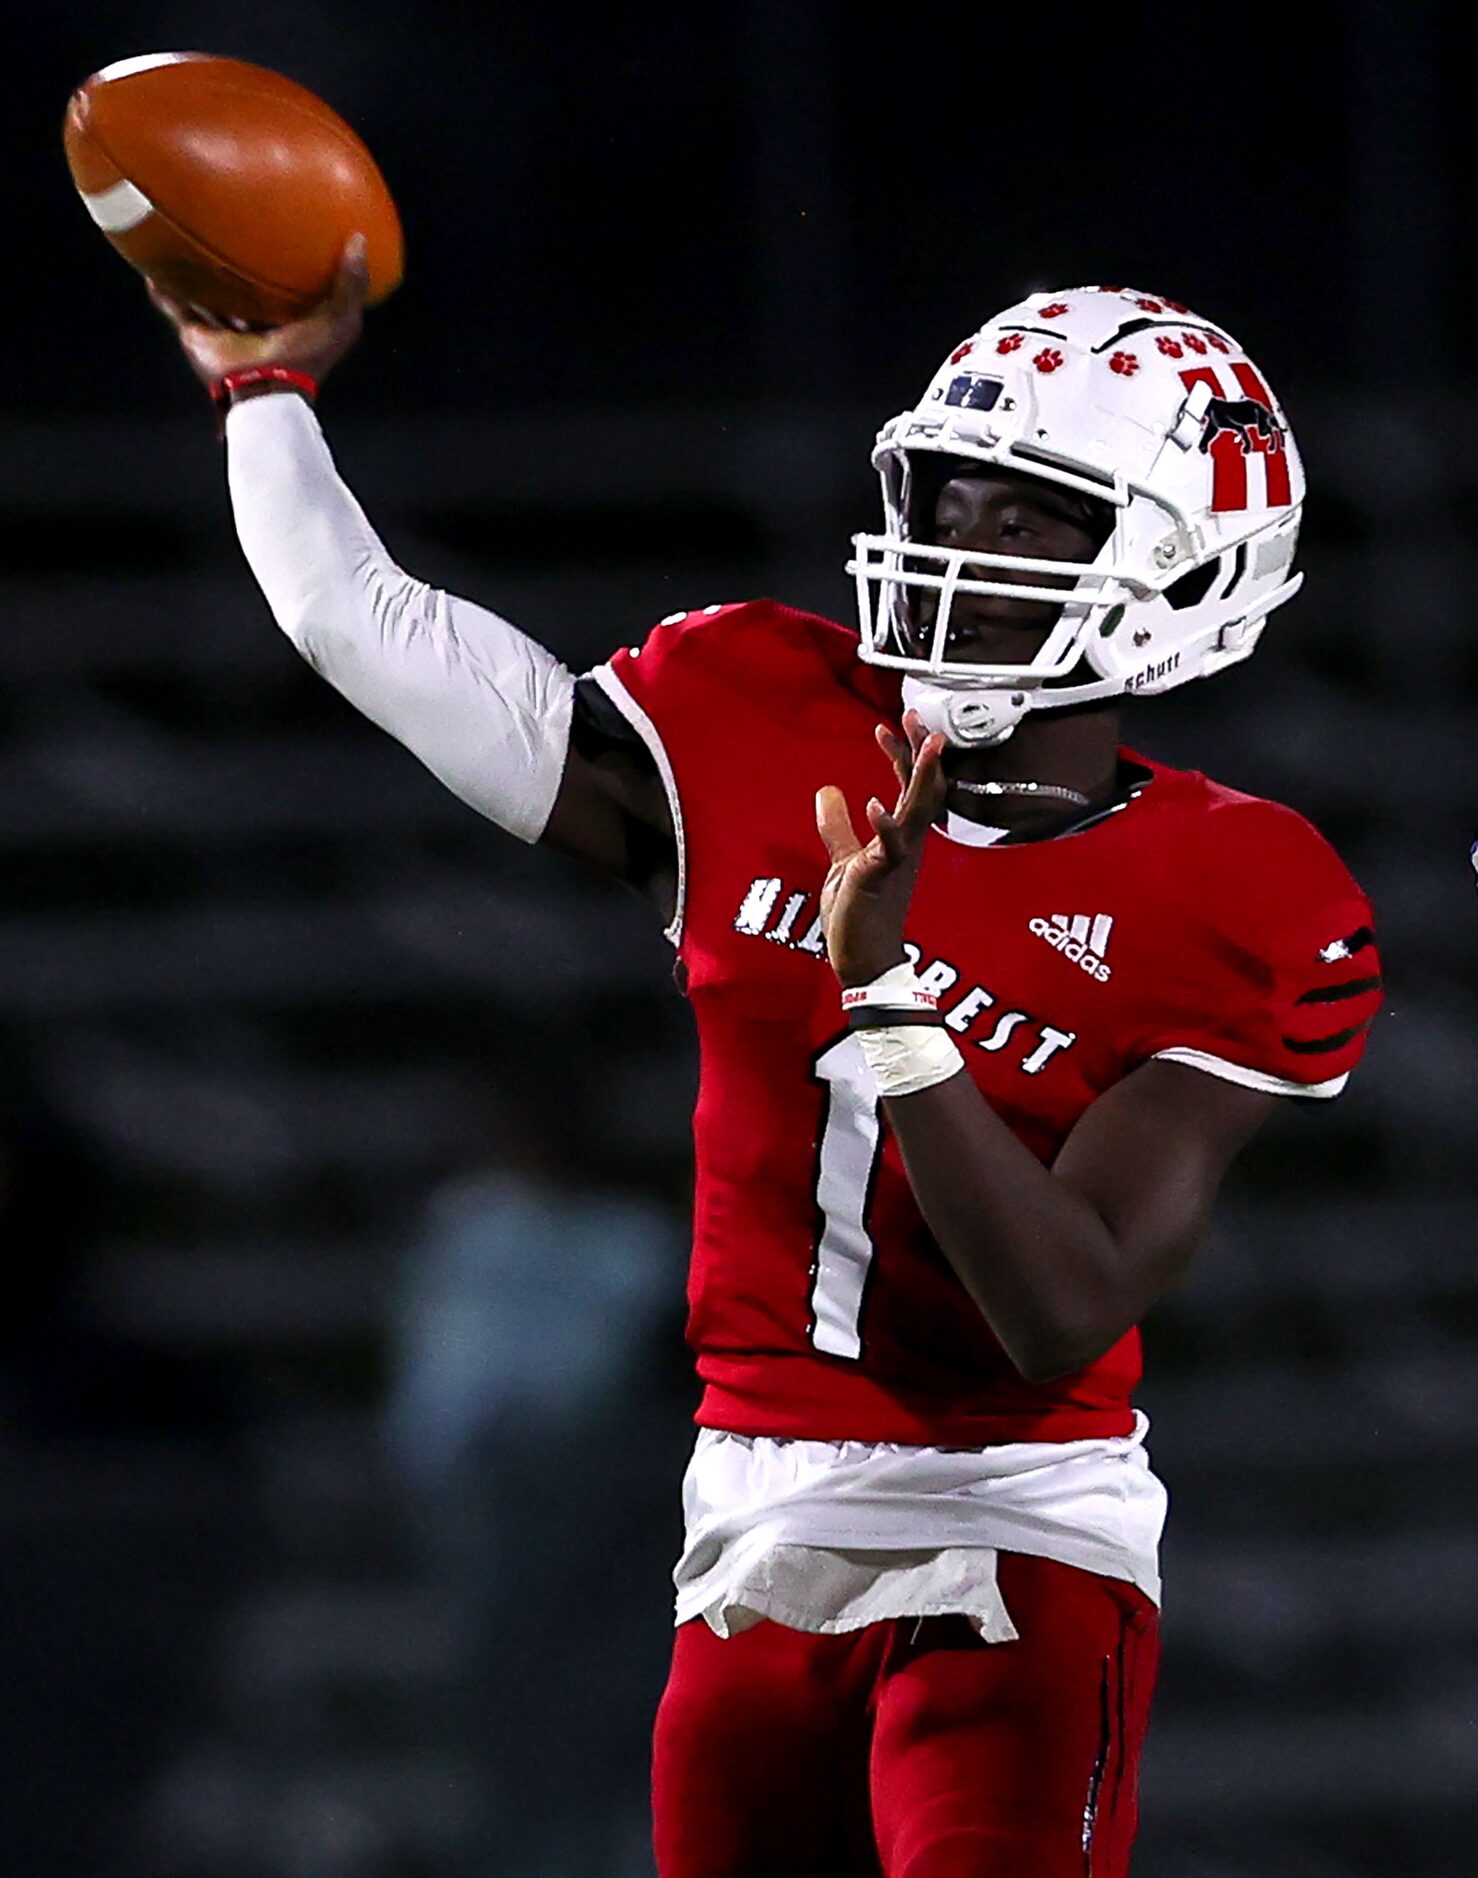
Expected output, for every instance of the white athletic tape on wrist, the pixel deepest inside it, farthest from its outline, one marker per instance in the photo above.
(908, 1057)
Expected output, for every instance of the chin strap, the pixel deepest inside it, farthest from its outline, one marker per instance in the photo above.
(970, 716)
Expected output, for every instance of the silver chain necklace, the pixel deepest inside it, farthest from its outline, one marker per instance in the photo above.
(1056, 790)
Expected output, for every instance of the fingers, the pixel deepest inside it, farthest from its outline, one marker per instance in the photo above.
(897, 753)
(920, 773)
(903, 754)
(175, 311)
(895, 844)
(351, 282)
(182, 313)
(925, 792)
(919, 793)
(834, 823)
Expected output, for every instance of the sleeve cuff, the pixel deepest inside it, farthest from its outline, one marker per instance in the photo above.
(1250, 1078)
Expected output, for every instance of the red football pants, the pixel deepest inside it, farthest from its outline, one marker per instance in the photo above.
(911, 1748)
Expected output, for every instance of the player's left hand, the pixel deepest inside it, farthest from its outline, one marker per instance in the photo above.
(870, 883)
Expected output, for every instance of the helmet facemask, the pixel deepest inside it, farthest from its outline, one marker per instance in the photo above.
(920, 604)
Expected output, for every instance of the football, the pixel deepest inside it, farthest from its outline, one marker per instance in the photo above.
(228, 185)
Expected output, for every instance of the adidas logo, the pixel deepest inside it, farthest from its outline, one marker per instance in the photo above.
(1079, 937)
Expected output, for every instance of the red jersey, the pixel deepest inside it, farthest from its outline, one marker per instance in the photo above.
(1192, 923)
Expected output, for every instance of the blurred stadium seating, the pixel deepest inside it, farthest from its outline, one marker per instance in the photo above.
(256, 958)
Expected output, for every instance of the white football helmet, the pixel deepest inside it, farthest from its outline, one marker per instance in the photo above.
(1130, 399)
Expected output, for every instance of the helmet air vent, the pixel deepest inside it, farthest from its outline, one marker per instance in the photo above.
(1239, 568)
(1192, 588)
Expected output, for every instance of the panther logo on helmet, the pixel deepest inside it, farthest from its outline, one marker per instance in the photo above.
(1242, 416)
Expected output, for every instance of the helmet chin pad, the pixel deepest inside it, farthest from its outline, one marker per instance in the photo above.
(972, 717)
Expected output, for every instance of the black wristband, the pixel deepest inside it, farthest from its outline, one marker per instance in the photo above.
(879, 1017)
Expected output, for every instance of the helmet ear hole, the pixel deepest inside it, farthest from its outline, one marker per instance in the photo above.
(1192, 588)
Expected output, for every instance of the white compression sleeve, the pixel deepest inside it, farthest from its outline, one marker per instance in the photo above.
(484, 708)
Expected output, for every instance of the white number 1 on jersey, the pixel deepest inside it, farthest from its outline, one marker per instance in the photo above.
(851, 1144)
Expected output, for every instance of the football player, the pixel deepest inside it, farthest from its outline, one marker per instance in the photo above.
(987, 1005)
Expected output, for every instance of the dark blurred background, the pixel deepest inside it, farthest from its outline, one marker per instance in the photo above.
(343, 1142)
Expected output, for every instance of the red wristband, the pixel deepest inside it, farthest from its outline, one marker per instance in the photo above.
(228, 383)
